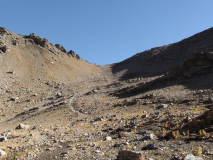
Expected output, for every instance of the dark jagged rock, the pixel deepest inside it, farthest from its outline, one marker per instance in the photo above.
(77, 56)
(3, 31)
(61, 48)
(3, 49)
(71, 53)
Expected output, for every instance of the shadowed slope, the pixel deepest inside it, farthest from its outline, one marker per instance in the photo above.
(160, 60)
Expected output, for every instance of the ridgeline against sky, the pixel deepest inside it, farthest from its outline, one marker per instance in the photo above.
(105, 32)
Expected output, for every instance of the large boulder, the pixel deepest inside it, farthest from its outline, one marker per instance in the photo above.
(205, 120)
(127, 155)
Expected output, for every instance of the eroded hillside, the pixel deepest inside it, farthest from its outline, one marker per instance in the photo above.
(154, 105)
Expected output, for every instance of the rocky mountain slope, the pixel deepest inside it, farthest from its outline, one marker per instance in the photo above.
(154, 105)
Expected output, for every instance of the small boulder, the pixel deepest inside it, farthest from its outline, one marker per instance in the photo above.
(59, 95)
(127, 154)
(149, 147)
(98, 119)
(77, 57)
(164, 106)
(124, 134)
(22, 126)
(2, 138)
(149, 137)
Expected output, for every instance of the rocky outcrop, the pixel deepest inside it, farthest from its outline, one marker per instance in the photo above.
(38, 40)
(78, 57)
(3, 47)
(3, 31)
(2, 138)
(71, 53)
(205, 120)
(201, 63)
(61, 48)
(161, 60)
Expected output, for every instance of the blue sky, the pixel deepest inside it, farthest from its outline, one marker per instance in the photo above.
(108, 31)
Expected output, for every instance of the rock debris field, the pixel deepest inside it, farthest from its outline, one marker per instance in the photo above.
(155, 105)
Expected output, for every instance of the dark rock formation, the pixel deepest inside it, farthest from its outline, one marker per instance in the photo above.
(38, 40)
(3, 47)
(61, 48)
(127, 155)
(71, 53)
(77, 56)
(201, 63)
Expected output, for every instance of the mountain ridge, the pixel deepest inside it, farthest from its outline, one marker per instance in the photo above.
(166, 57)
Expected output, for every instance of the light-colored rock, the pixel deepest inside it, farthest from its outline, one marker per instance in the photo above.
(97, 151)
(108, 138)
(2, 153)
(192, 157)
(149, 137)
(22, 126)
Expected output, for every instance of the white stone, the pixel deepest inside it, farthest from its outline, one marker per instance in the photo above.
(2, 153)
(97, 151)
(192, 157)
(108, 138)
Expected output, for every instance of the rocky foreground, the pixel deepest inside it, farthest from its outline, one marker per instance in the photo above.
(155, 105)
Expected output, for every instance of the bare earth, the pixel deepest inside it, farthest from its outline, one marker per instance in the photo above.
(76, 110)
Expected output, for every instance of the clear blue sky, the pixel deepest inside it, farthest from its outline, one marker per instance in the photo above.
(107, 31)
